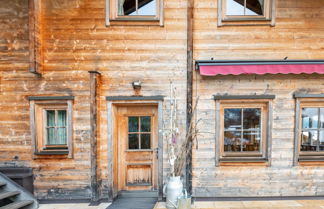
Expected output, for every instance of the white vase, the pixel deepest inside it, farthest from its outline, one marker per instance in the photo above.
(174, 190)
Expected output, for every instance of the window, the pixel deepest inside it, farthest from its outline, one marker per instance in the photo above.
(243, 128)
(310, 128)
(51, 125)
(245, 11)
(139, 132)
(134, 11)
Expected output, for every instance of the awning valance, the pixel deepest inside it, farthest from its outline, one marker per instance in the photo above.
(211, 68)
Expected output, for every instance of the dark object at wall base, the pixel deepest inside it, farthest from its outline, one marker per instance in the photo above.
(22, 176)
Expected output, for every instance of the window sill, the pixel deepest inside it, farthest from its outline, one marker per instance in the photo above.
(242, 159)
(245, 22)
(134, 22)
(52, 154)
(243, 162)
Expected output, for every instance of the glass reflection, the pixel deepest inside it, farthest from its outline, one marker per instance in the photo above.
(251, 118)
(232, 119)
(251, 141)
(133, 141)
(132, 124)
(232, 141)
(245, 7)
(145, 141)
(310, 117)
(146, 124)
(309, 141)
(137, 7)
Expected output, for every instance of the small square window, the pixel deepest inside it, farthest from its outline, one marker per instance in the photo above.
(139, 132)
(51, 125)
(134, 12)
(238, 12)
(310, 129)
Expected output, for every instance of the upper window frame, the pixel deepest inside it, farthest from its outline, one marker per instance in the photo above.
(267, 19)
(112, 17)
(311, 101)
(38, 107)
(244, 101)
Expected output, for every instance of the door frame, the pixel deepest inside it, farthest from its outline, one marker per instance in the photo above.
(113, 102)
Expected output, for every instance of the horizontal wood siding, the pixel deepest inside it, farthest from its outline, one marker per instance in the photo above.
(298, 34)
(75, 40)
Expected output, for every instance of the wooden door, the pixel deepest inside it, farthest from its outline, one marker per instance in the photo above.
(137, 148)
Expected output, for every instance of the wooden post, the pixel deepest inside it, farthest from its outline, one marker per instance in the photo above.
(93, 137)
(189, 90)
(33, 10)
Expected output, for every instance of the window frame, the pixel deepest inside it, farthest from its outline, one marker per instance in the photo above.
(302, 101)
(38, 108)
(267, 19)
(257, 101)
(112, 17)
(139, 132)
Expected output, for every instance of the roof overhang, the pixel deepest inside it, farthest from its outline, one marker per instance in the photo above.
(259, 67)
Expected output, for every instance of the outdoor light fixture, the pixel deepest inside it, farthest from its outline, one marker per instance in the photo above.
(137, 85)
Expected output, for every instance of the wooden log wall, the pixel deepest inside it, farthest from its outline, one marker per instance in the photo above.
(298, 34)
(75, 40)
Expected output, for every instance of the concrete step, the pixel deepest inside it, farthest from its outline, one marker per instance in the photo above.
(2, 183)
(4, 195)
(17, 204)
(138, 194)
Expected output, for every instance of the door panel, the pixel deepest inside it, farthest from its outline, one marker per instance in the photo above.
(137, 145)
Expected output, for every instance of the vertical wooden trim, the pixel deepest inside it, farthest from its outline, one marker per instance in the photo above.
(273, 12)
(107, 9)
(31, 25)
(93, 136)
(189, 91)
(110, 152)
(296, 136)
(70, 128)
(160, 150)
(217, 133)
(269, 132)
(33, 127)
(220, 12)
(161, 12)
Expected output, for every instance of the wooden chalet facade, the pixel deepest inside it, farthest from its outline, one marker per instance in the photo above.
(84, 91)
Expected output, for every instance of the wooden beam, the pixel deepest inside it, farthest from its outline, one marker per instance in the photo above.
(189, 91)
(32, 14)
(93, 137)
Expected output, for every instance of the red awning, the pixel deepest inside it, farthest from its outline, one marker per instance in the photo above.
(258, 67)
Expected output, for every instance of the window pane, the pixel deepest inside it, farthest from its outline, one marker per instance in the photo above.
(322, 118)
(61, 136)
(50, 117)
(254, 7)
(321, 141)
(147, 7)
(132, 124)
(232, 119)
(126, 7)
(310, 117)
(145, 141)
(309, 141)
(51, 136)
(133, 141)
(232, 141)
(252, 118)
(61, 122)
(251, 141)
(146, 124)
(235, 7)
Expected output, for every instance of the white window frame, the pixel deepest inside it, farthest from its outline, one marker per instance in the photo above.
(113, 18)
(267, 19)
